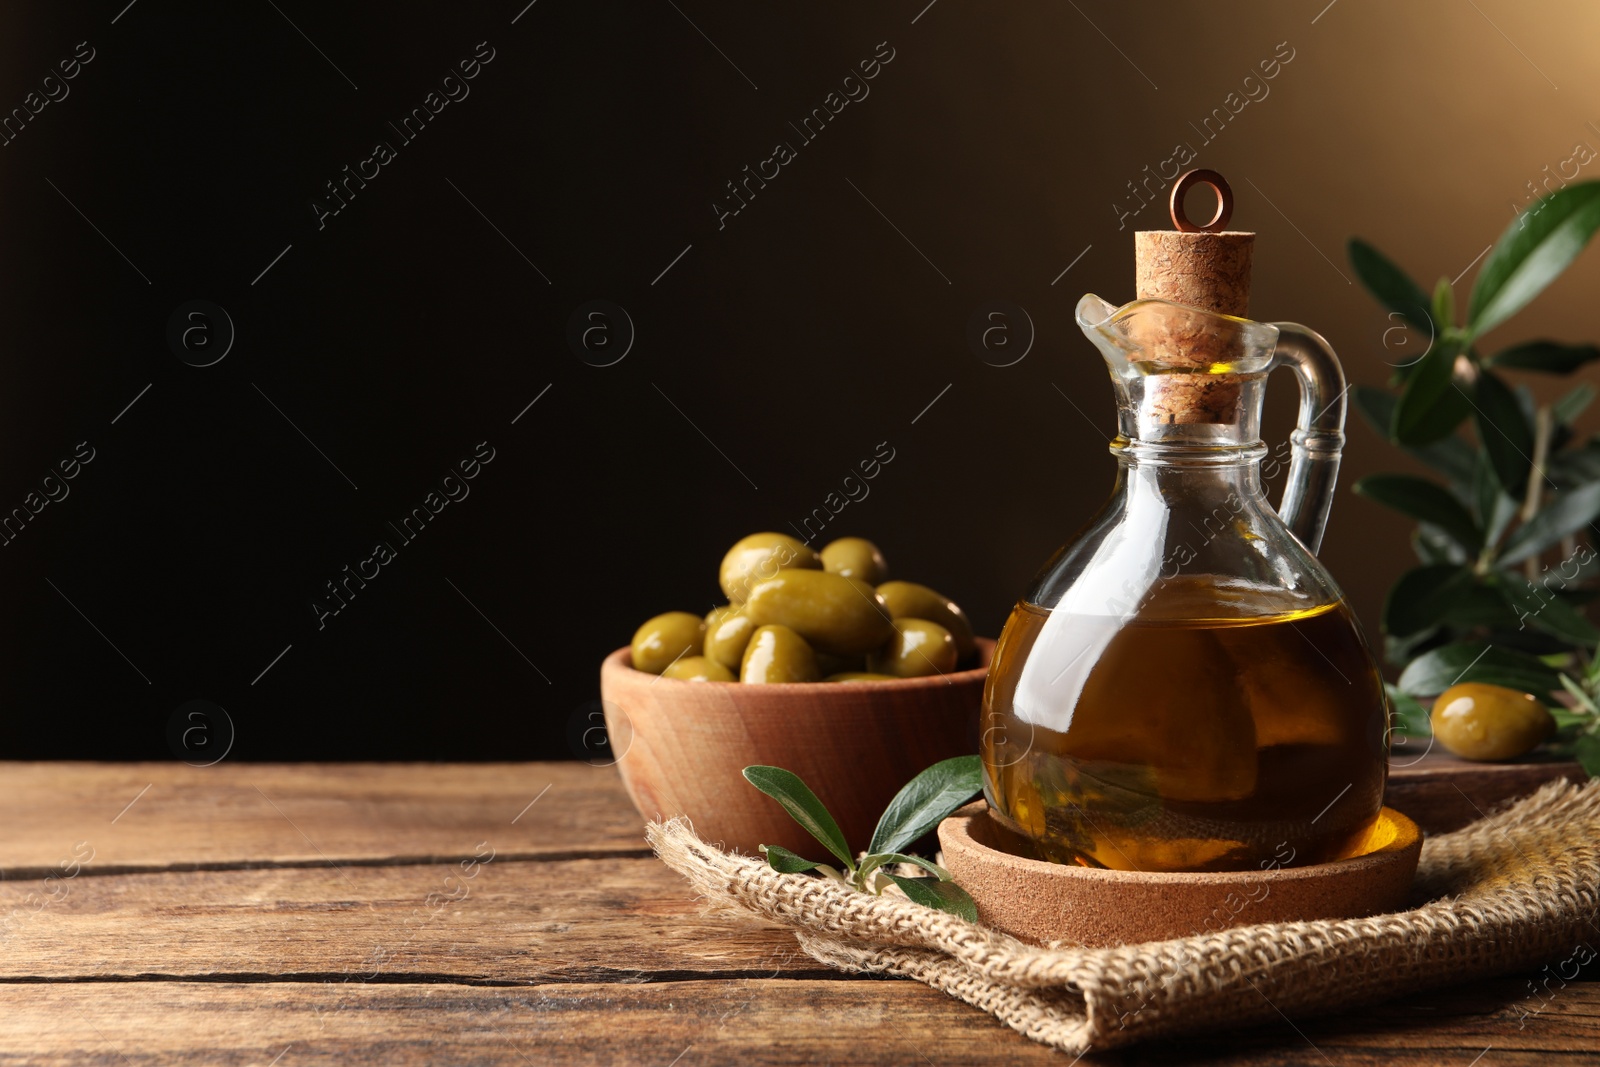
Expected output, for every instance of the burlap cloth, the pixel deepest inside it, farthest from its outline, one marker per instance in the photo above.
(1515, 890)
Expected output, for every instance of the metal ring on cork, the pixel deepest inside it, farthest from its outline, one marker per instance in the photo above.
(1219, 184)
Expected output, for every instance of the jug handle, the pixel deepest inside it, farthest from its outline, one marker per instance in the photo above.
(1319, 437)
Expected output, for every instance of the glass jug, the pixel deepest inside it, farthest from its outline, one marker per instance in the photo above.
(1184, 688)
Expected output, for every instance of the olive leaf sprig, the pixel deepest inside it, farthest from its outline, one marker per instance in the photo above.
(915, 810)
(1483, 606)
(1580, 724)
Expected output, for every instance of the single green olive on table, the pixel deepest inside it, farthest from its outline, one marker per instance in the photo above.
(915, 811)
(798, 615)
(1490, 722)
(1505, 545)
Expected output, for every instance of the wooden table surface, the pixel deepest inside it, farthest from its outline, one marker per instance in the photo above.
(505, 914)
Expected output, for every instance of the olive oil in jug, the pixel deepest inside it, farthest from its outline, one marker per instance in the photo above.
(1184, 687)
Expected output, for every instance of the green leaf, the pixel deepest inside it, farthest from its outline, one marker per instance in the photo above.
(1585, 702)
(802, 805)
(1450, 456)
(1410, 715)
(1504, 431)
(1549, 356)
(1433, 672)
(1535, 248)
(1588, 752)
(1392, 286)
(1424, 501)
(946, 896)
(1485, 495)
(1424, 597)
(1375, 405)
(1481, 605)
(1568, 408)
(1440, 598)
(1444, 304)
(1547, 612)
(1431, 406)
(1566, 718)
(1398, 651)
(1495, 508)
(1432, 546)
(873, 862)
(1575, 467)
(781, 859)
(1569, 513)
(1553, 651)
(925, 801)
(1529, 406)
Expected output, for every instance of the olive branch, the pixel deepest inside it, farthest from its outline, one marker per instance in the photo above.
(916, 810)
(1482, 607)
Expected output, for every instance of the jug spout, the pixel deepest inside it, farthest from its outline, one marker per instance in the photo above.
(1190, 379)
(1182, 374)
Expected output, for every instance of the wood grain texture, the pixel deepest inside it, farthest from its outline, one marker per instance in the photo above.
(621, 920)
(745, 1022)
(321, 914)
(273, 814)
(1441, 792)
(742, 1022)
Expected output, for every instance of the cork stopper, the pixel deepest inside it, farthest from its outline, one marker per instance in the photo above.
(1200, 266)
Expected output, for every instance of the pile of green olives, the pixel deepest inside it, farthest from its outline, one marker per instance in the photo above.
(798, 615)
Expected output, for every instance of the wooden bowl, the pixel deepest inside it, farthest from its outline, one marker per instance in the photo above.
(682, 745)
(1040, 901)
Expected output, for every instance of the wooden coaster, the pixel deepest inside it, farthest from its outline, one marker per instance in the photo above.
(1040, 901)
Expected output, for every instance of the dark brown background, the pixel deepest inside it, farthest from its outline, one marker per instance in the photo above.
(797, 338)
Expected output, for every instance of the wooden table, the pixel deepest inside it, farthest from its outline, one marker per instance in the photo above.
(503, 914)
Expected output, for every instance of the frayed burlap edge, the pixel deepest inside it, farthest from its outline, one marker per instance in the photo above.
(1516, 889)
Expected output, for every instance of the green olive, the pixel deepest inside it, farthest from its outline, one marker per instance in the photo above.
(698, 669)
(855, 557)
(760, 556)
(666, 637)
(717, 614)
(860, 676)
(727, 638)
(919, 648)
(778, 654)
(1489, 722)
(841, 616)
(908, 600)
